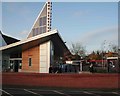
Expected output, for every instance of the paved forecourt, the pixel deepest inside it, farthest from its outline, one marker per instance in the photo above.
(56, 92)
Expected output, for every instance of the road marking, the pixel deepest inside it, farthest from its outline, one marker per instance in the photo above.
(28, 89)
(6, 92)
(116, 93)
(94, 93)
(90, 93)
(61, 93)
(32, 92)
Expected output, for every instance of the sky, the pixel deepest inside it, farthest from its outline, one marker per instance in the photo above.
(93, 24)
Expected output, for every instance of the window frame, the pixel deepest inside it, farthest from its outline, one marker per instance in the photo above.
(42, 21)
(30, 61)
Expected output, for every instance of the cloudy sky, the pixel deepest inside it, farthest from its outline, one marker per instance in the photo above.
(90, 23)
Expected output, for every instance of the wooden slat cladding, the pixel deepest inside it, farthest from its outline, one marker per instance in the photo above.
(32, 53)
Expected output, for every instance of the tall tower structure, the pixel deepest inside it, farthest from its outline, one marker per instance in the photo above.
(43, 22)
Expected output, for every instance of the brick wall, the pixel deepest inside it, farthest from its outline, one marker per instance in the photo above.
(62, 80)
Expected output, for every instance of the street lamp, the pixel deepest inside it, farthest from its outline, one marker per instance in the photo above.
(81, 65)
(103, 47)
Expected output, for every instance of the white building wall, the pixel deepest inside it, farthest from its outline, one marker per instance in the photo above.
(45, 57)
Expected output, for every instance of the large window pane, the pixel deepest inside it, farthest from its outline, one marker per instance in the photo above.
(44, 29)
(40, 30)
(44, 20)
(33, 32)
(40, 22)
(36, 31)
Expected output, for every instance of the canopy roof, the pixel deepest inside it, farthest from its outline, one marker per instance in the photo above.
(22, 45)
(8, 39)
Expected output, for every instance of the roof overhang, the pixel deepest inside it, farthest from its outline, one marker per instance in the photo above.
(22, 45)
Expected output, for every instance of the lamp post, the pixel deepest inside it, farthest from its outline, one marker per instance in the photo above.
(81, 65)
(103, 47)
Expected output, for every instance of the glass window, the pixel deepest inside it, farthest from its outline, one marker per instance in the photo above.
(40, 31)
(30, 61)
(36, 31)
(33, 32)
(44, 29)
(42, 21)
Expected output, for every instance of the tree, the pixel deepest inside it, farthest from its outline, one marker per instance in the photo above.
(96, 55)
(109, 54)
(93, 56)
(114, 48)
(99, 56)
(78, 49)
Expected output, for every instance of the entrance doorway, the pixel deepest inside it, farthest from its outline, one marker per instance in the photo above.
(15, 64)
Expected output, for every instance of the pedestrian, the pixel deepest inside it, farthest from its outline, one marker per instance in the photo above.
(51, 69)
(91, 68)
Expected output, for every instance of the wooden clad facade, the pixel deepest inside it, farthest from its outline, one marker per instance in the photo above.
(32, 53)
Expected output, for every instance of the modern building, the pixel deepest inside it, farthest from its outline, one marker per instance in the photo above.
(42, 48)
